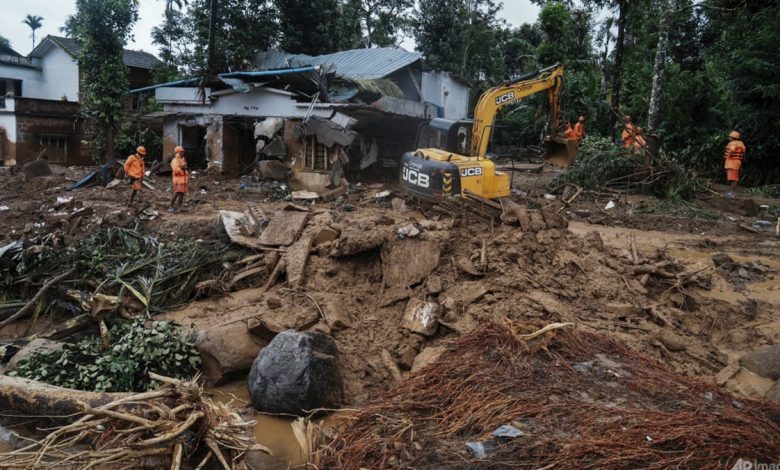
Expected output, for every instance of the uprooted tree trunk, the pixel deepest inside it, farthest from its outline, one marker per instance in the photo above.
(32, 398)
(133, 428)
(654, 113)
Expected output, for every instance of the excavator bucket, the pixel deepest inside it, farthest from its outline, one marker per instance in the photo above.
(560, 151)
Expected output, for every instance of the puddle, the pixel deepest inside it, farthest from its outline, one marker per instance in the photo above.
(274, 432)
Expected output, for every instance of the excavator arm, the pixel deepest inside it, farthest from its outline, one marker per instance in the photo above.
(496, 98)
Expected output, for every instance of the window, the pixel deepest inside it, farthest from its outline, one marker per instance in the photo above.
(56, 147)
(315, 155)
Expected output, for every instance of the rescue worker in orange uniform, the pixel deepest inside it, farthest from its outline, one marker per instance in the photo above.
(135, 168)
(735, 152)
(181, 178)
(579, 129)
(568, 132)
(639, 140)
(628, 133)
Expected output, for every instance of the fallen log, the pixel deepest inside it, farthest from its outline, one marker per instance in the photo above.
(27, 397)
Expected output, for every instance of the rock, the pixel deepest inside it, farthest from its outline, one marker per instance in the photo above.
(672, 341)
(408, 231)
(537, 221)
(467, 292)
(226, 349)
(427, 356)
(325, 235)
(619, 308)
(406, 359)
(36, 168)
(554, 220)
(465, 265)
(407, 262)
(336, 316)
(8, 439)
(431, 225)
(764, 361)
(274, 170)
(296, 372)
(304, 195)
(434, 284)
(259, 460)
(774, 393)
(593, 240)
(392, 367)
(748, 384)
(421, 317)
(722, 260)
(284, 228)
(273, 302)
(398, 204)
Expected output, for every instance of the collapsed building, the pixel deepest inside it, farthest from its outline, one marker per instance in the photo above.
(347, 113)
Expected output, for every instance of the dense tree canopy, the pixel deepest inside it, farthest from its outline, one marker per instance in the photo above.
(719, 71)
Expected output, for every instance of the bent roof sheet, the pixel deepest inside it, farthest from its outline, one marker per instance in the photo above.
(371, 63)
(138, 59)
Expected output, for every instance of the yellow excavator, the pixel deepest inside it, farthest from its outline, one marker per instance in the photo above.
(446, 164)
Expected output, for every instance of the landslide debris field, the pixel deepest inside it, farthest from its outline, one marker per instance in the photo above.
(665, 310)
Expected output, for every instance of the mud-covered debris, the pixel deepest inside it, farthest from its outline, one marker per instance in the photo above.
(622, 309)
(284, 228)
(356, 240)
(304, 195)
(398, 204)
(408, 262)
(297, 257)
(506, 431)
(434, 284)
(722, 259)
(325, 235)
(226, 349)
(774, 393)
(408, 231)
(274, 170)
(336, 315)
(672, 341)
(467, 266)
(421, 317)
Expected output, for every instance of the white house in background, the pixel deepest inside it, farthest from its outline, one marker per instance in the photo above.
(39, 96)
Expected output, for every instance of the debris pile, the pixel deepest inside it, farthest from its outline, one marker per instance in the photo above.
(168, 427)
(563, 399)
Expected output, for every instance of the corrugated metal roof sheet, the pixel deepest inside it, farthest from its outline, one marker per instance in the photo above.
(371, 63)
(138, 59)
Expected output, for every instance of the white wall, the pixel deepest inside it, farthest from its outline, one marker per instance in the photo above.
(60, 76)
(442, 89)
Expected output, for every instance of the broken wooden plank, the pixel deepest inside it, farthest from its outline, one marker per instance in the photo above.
(284, 228)
(297, 256)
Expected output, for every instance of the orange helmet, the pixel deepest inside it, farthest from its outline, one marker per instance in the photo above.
(178, 149)
(141, 150)
(582, 118)
(734, 134)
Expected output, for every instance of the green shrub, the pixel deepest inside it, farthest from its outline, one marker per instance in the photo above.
(136, 349)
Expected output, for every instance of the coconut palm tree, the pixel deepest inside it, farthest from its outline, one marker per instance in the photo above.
(34, 22)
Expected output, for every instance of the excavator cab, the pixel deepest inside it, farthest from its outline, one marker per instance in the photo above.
(451, 136)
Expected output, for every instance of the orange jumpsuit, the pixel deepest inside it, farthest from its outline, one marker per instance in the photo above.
(735, 151)
(180, 175)
(569, 133)
(135, 168)
(628, 135)
(639, 142)
(579, 131)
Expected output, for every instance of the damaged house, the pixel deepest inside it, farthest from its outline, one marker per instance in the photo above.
(39, 101)
(342, 114)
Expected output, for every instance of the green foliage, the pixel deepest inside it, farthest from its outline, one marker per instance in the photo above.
(309, 27)
(136, 350)
(373, 23)
(34, 22)
(769, 190)
(130, 137)
(243, 28)
(101, 28)
(598, 161)
(677, 208)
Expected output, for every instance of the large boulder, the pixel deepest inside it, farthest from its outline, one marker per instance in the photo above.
(297, 371)
(764, 361)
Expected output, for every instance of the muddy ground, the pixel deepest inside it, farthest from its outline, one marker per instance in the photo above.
(592, 268)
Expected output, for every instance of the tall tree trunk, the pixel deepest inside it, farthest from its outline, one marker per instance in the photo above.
(622, 9)
(213, 18)
(654, 114)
